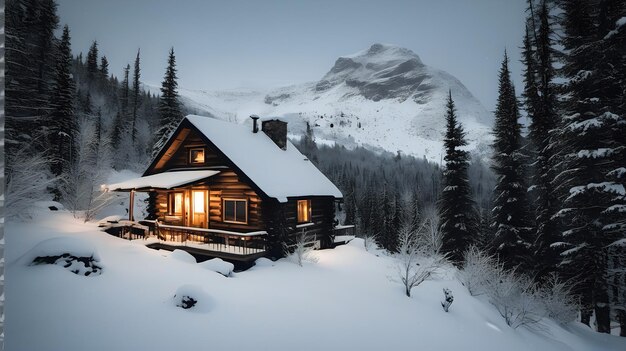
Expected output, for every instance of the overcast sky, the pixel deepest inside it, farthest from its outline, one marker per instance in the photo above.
(256, 44)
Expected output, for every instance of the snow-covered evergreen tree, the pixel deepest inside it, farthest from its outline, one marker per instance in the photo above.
(457, 210)
(541, 105)
(512, 241)
(92, 61)
(62, 119)
(592, 152)
(169, 106)
(136, 98)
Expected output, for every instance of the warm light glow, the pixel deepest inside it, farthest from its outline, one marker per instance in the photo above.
(304, 211)
(198, 201)
(197, 155)
(176, 204)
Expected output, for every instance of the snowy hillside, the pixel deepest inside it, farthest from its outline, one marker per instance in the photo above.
(383, 97)
(344, 301)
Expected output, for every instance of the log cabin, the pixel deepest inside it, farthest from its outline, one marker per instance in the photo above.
(226, 190)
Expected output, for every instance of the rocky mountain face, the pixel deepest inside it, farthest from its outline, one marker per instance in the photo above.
(383, 98)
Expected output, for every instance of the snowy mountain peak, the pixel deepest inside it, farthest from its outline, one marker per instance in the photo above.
(381, 72)
(383, 97)
(381, 53)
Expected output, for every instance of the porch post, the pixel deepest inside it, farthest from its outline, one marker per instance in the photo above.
(131, 205)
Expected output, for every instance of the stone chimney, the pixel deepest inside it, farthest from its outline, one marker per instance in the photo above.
(277, 131)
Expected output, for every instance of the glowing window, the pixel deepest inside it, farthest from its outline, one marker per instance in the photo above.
(196, 156)
(304, 211)
(176, 204)
(235, 211)
(198, 201)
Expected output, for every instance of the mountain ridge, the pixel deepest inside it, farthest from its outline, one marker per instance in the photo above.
(383, 97)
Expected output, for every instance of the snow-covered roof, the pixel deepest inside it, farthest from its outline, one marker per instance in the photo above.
(166, 180)
(278, 173)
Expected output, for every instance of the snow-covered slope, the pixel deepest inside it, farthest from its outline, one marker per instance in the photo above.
(383, 97)
(344, 301)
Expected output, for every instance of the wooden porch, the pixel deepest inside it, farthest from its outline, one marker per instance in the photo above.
(229, 245)
(224, 244)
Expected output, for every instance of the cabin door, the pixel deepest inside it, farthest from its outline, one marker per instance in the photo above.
(199, 208)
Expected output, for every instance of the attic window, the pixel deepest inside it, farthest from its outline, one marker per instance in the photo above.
(304, 211)
(196, 156)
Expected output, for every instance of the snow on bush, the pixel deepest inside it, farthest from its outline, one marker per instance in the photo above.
(182, 255)
(192, 297)
(415, 262)
(428, 234)
(369, 241)
(476, 270)
(218, 265)
(27, 182)
(76, 255)
(302, 250)
(518, 299)
(515, 297)
(558, 300)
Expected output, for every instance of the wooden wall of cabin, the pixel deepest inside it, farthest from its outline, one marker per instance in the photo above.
(225, 184)
(322, 217)
(180, 159)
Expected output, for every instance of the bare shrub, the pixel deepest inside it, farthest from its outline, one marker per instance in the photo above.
(80, 183)
(477, 270)
(415, 263)
(28, 180)
(369, 241)
(558, 299)
(303, 249)
(516, 297)
(428, 234)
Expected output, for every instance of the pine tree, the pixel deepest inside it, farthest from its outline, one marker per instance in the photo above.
(104, 68)
(590, 146)
(125, 93)
(541, 103)
(388, 237)
(92, 61)
(512, 241)
(62, 118)
(136, 96)
(169, 106)
(457, 210)
(30, 68)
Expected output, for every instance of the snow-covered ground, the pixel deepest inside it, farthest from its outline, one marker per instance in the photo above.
(344, 301)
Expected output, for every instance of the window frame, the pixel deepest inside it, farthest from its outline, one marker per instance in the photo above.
(190, 159)
(309, 211)
(233, 199)
(171, 200)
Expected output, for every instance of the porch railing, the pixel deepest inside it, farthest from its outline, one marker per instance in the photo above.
(213, 239)
(344, 230)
